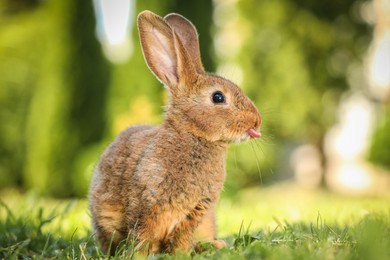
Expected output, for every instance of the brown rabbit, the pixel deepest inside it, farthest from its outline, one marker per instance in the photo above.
(159, 185)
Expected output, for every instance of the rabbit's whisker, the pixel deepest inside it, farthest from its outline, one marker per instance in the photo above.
(259, 146)
(257, 163)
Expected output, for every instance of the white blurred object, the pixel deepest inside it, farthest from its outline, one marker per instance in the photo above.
(306, 162)
(114, 23)
(349, 139)
(379, 67)
(354, 176)
(379, 54)
(346, 145)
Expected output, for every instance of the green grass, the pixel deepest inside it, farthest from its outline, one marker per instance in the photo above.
(282, 222)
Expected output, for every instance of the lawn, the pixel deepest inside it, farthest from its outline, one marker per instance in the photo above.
(278, 222)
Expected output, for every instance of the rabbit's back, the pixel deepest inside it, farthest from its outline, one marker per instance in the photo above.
(113, 187)
(120, 159)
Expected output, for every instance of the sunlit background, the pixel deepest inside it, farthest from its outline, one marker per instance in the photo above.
(72, 77)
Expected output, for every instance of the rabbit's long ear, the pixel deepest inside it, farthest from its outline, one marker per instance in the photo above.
(163, 50)
(188, 36)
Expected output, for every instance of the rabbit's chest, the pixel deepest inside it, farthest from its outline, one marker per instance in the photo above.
(181, 175)
(195, 185)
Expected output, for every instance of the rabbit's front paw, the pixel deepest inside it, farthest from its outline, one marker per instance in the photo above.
(218, 244)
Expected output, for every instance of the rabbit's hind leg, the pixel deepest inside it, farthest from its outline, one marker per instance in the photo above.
(107, 222)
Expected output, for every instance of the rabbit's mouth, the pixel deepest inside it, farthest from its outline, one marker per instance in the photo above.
(253, 133)
(249, 134)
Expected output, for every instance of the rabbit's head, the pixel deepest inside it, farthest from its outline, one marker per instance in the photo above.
(206, 105)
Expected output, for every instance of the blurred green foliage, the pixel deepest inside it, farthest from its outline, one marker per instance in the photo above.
(295, 59)
(53, 85)
(62, 102)
(380, 147)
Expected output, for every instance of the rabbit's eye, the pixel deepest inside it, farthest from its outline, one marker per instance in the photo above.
(218, 97)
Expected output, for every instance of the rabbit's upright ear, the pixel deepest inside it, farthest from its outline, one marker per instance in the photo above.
(163, 50)
(188, 36)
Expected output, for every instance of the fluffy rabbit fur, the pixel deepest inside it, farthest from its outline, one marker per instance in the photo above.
(158, 185)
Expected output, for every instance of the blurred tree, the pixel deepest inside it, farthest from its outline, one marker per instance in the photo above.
(19, 62)
(66, 78)
(380, 148)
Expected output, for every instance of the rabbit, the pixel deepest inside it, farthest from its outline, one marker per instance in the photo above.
(158, 186)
